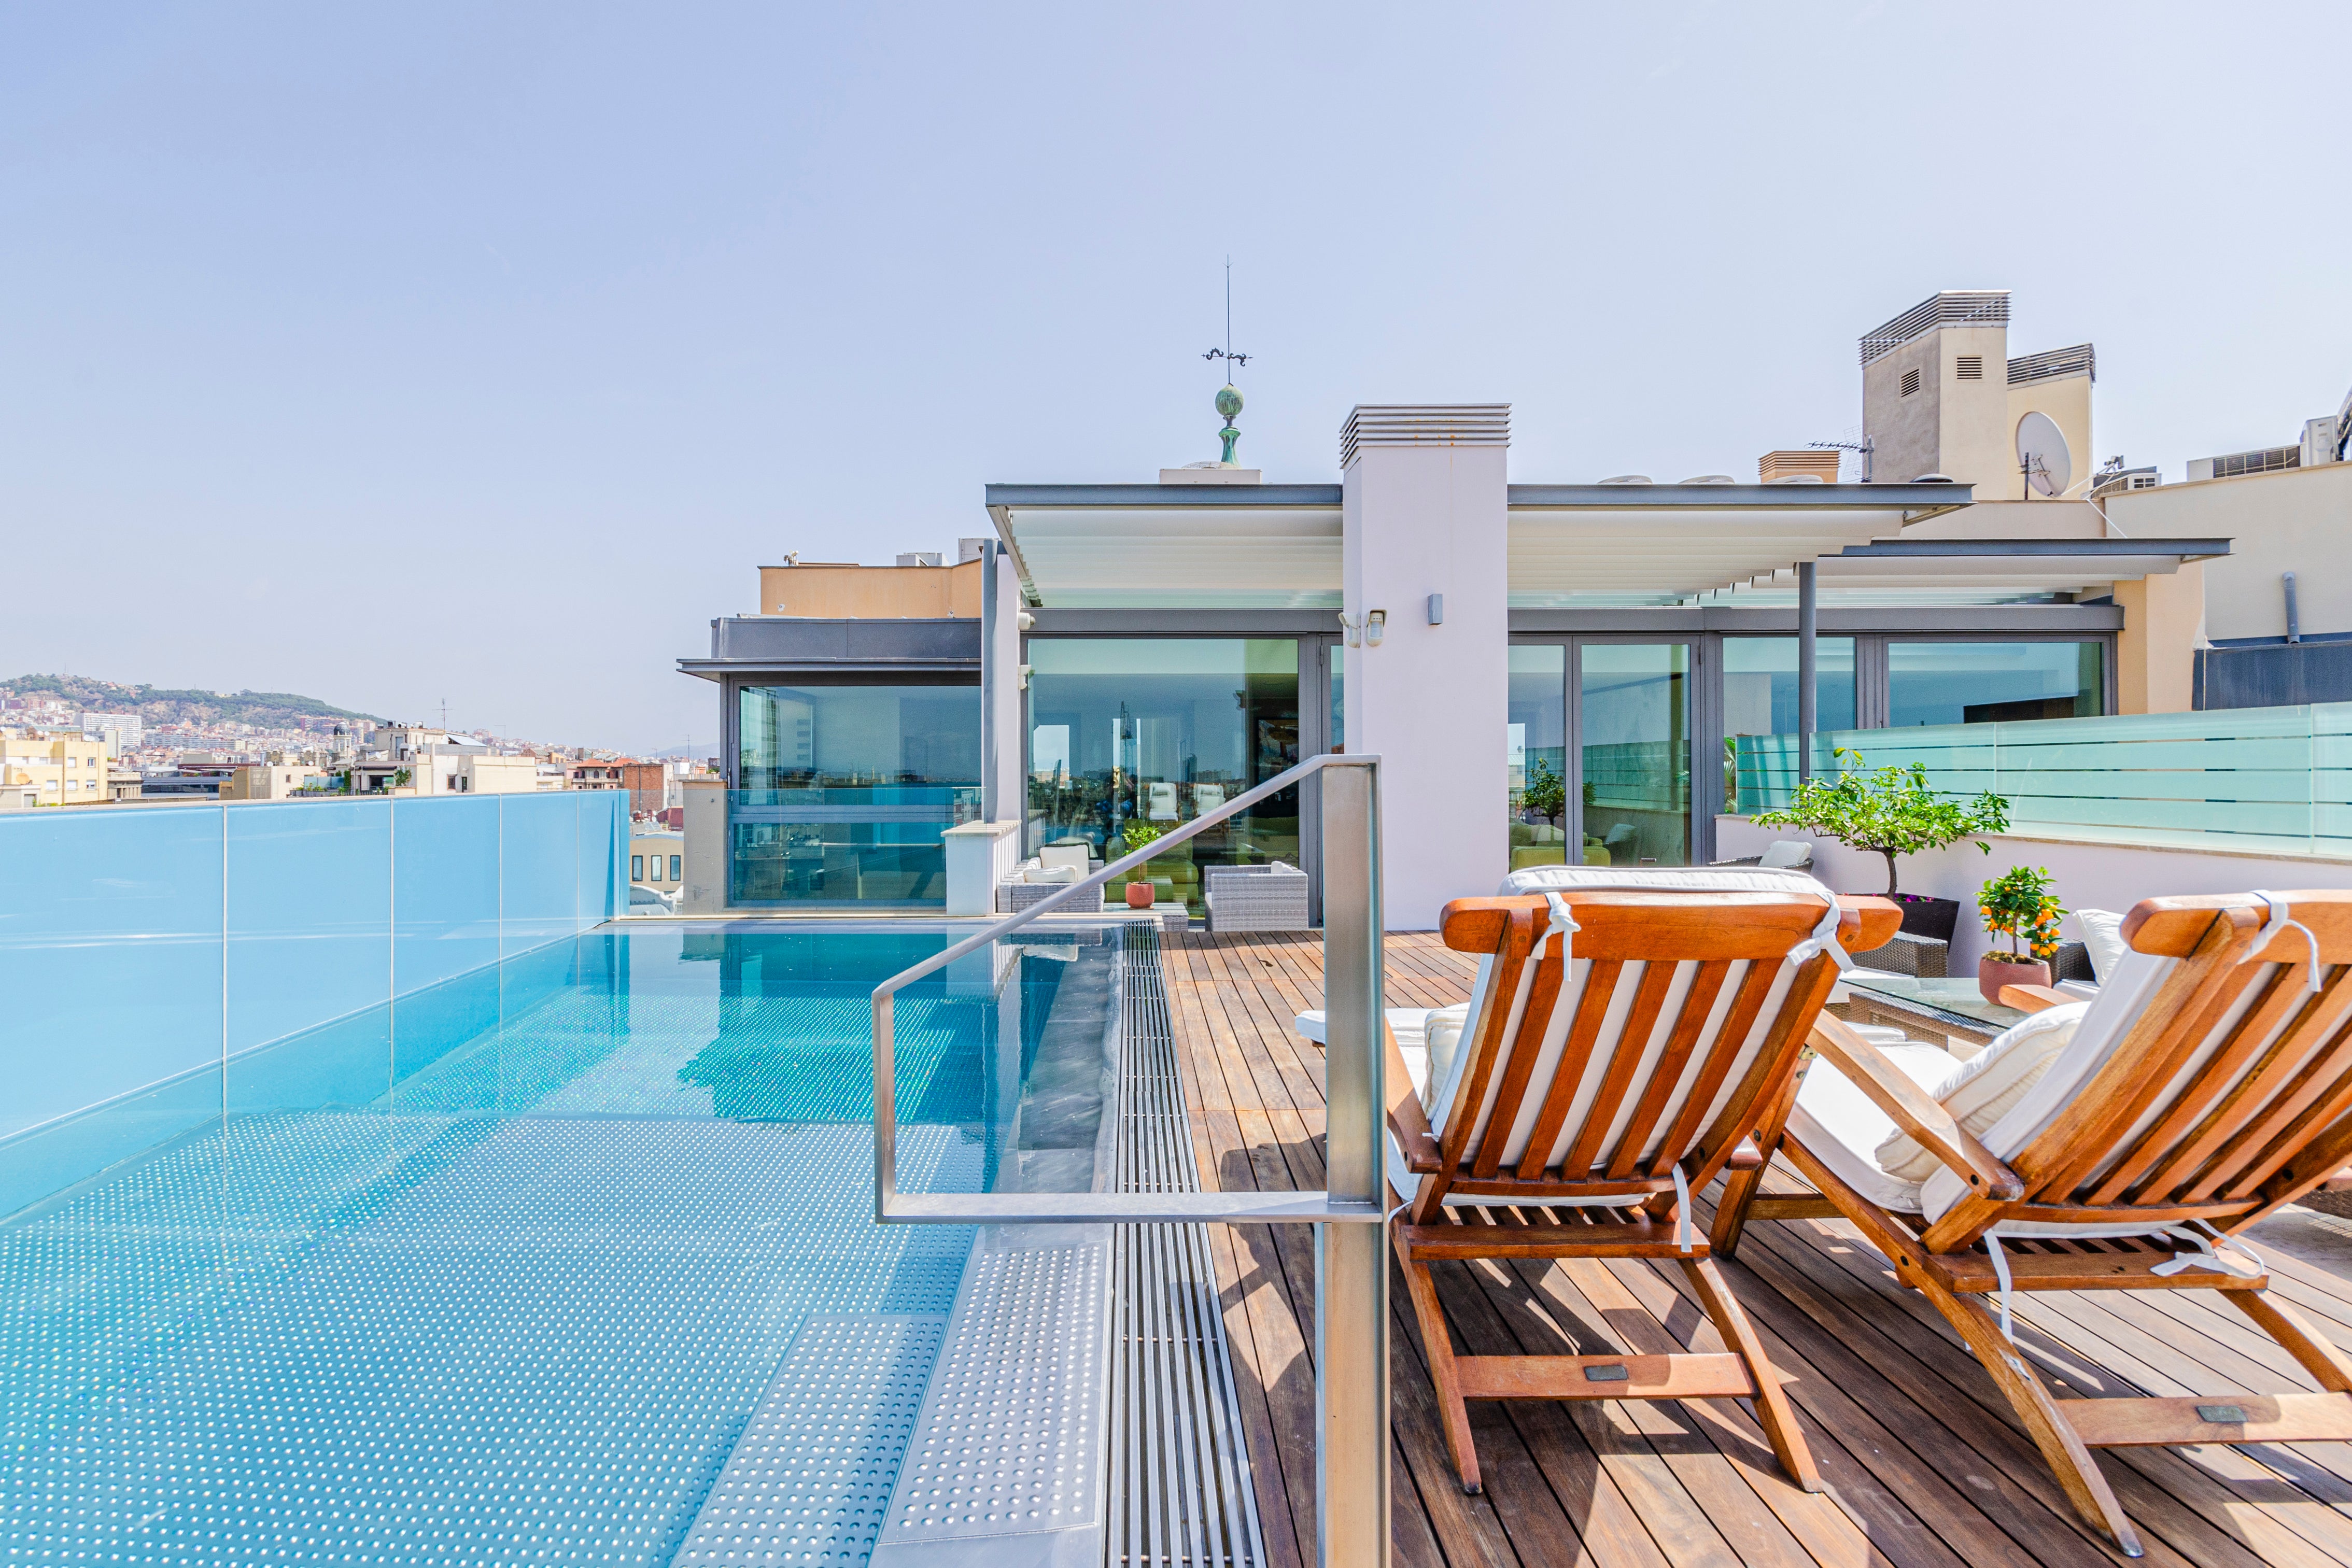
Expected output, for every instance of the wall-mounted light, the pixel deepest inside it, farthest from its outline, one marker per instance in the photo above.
(1024, 620)
(1437, 610)
(1375, 625)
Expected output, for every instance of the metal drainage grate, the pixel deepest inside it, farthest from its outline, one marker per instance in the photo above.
(1180, 1476)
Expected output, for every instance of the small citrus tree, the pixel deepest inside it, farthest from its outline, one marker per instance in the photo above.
(1890, 810)
(2019, 905)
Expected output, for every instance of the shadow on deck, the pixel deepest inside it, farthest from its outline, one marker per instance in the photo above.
(1921, 1459)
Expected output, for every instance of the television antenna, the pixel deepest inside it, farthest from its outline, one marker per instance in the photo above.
(2042, 457)
(1865, 447)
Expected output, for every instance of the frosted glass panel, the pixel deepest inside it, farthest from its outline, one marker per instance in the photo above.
(2267, 780)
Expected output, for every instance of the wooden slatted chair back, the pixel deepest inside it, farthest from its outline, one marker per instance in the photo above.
(1587, 1082)
(2230, 1092)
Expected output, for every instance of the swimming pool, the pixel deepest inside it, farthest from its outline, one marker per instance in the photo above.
(518, 1304)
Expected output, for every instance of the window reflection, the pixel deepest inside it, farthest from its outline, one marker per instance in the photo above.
(1635, 751)
(843, 790)
(1986, 682)
(1132, 737)
(1759, 694)
(1537, 756)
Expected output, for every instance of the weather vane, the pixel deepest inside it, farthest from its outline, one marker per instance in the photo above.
(1228, 396)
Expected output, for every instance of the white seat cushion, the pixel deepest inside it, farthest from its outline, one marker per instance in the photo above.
(1982, 1090)
(1840, 1125)
(2103, 934)
(2104, 1024)
(1427, 1036)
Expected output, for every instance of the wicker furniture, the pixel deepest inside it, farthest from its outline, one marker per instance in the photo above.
(1257, 898)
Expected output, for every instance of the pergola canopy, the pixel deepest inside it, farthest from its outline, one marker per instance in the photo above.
(1267, 547)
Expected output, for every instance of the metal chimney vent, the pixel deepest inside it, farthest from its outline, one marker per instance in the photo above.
(1424, 425)
(1953, 307)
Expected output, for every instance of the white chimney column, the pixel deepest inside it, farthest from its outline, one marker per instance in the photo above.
(1425, 561)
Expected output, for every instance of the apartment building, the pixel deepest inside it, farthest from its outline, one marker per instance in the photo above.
(1141, 653)
(54, 768)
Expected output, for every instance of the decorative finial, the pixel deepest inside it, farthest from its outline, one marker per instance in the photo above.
(1229, 404)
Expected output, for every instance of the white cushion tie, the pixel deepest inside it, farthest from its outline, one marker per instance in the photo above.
(2283, 918)
(1822, 940)
(2207, 1255)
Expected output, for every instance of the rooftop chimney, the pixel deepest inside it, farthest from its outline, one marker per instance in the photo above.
(1814, 463)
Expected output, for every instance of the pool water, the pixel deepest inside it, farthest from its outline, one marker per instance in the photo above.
(519, 1307)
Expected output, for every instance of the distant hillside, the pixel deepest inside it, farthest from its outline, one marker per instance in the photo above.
(157, 706)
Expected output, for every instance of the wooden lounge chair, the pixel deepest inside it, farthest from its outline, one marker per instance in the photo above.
(1604, 1089)
(2209, 1083)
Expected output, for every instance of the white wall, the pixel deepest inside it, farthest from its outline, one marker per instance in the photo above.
(2088, 875)
(1004, 660)
(1432, 701)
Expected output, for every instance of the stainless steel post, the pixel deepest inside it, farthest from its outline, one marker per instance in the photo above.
(1352, 1341)
(1808, 670)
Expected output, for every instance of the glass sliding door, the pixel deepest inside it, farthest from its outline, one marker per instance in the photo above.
(1537, 754)
(1759, 697)
(843, 790)
(1634, 749)
(1130, 736)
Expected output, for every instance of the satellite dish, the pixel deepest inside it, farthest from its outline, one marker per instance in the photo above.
(1628, 480)
(2041, 453)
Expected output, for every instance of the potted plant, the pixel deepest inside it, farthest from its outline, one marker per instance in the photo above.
(1892, 811)
(2018, 905)
(1546, 792)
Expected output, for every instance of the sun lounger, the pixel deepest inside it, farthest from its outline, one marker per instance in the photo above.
(1627, 1034)
(2117, 1144)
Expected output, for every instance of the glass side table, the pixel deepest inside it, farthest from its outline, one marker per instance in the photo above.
(1952, 1012)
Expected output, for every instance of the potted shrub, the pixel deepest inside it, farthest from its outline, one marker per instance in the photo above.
(1892, 811)
(1546, 792)
(2018, 905)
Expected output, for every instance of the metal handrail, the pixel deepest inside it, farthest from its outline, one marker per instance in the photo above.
(1084, 1207)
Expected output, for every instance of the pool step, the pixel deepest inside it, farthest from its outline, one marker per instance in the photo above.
(1007, 1463)
(810, 1478)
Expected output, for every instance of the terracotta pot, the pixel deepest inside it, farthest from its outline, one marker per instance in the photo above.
(1138, 895)
(1994, 971)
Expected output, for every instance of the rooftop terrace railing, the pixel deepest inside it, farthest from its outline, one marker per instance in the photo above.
(1351, 1236)
(2275, 780)
(165, 966)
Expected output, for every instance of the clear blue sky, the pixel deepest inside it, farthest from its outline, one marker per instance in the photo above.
(402, 352)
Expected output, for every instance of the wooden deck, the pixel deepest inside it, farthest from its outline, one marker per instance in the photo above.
(1922, 1460)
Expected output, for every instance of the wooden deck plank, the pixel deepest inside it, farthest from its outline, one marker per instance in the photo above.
(1923, 1464)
